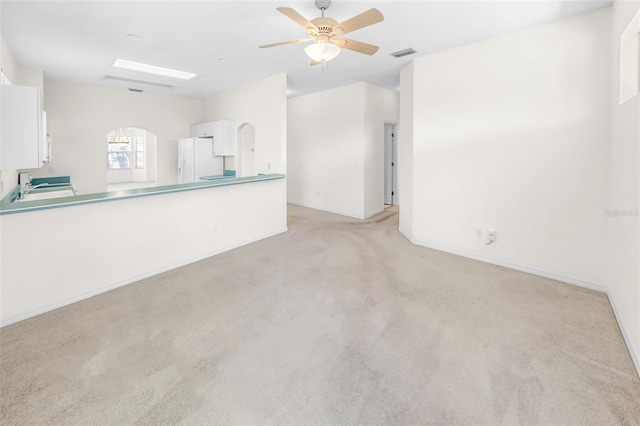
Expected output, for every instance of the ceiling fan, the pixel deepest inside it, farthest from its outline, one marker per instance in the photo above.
(322, 31)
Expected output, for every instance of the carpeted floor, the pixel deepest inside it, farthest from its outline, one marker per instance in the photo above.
(337, 321)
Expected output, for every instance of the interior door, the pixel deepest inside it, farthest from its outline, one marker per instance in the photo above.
(389, 162)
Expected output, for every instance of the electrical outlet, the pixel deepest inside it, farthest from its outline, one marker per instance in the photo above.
(478, 232)
(491, 234)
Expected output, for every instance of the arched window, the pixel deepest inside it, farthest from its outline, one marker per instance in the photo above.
(131, 158)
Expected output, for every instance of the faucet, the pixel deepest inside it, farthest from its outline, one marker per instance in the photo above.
(25, 184)
(24, 179)
(32, 187)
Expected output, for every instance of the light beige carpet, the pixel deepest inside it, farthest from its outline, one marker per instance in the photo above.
(337, 321)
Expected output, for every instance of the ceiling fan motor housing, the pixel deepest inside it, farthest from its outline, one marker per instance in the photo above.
(323, 4)
(324, 25)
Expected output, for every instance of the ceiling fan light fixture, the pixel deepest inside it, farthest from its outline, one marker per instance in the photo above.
(322, 52)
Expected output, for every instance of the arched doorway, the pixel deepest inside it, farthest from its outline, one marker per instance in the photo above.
(131, 158)
(246, 151)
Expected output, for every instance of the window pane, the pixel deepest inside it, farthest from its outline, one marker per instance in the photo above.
(139, 152)
(118, 152)
(118, 160)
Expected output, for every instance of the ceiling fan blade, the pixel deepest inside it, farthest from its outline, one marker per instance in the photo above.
(370, 17)
(283, 43)
(357, 46)
(297, 18)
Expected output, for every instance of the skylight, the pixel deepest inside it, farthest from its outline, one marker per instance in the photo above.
(152, 69)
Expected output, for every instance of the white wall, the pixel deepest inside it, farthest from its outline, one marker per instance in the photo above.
(623, 246)
(627, 46)
(405, 151)
(150, 152)
(336, 146)
(7, 62)
(263, 104)
(513, 133)
(119, 176)
(99, 240)
(325, 150)
(30, 77)
(79, 118)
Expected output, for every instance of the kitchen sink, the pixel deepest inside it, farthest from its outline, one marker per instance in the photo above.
(45, 195)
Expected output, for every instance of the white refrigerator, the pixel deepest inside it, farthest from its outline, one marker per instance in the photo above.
(196, 159)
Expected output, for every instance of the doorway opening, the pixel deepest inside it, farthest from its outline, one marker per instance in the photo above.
(131, 158)
(390, 174)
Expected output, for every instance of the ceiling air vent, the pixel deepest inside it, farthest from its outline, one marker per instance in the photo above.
(405, 52)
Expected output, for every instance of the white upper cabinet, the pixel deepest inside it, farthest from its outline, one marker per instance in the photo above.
(22, 130)
(223, 133)
(204, 130)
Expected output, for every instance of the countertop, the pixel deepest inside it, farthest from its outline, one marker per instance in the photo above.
(53, 203)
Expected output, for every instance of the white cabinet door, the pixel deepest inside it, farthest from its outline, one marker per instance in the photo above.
(21, 130)
(226, 137)
(46, 140)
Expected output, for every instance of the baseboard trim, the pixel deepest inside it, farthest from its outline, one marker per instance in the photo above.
(131, 280)
(511, 265)
(543, 273)
(373, 213)
(338, 212)
(632, 353)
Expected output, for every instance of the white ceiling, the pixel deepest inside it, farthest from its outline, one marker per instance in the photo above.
(77, 41)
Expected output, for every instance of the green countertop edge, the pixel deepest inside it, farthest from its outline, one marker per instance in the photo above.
(54, 203)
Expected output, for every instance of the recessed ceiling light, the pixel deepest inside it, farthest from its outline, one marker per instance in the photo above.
(152, 69)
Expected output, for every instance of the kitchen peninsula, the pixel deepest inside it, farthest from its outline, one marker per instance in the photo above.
(61, 250)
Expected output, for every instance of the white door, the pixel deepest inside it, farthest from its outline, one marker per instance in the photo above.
(389, 162)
